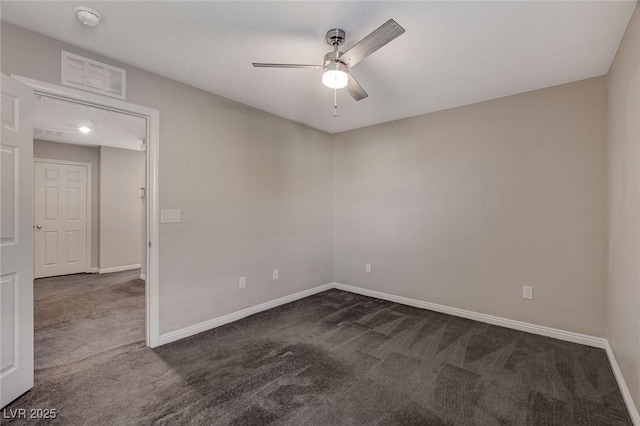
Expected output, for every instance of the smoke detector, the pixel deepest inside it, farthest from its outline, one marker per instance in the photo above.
(88, 16)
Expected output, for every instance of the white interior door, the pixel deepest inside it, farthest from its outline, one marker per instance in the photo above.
(60, 219)
(16, 240)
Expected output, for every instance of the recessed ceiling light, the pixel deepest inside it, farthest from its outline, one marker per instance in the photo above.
(84, 129)
(88, 16)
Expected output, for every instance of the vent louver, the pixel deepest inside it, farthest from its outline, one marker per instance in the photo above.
(94, 76)
(43, 132)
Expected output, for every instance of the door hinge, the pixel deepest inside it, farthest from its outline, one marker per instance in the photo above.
(149, 243)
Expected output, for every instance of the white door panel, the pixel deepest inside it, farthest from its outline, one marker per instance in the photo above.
(60, 218)
(16, 240)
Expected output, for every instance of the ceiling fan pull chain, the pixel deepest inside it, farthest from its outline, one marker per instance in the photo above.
(335, 103)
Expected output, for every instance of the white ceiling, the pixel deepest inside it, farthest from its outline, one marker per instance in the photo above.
(452, 54)
(58, 121)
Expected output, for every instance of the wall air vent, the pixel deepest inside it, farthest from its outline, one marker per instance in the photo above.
(51, 133)
(87, 74)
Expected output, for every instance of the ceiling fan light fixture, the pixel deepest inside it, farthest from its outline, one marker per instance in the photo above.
(335, 76)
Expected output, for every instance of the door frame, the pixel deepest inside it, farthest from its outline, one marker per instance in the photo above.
(88, 268)
(152, 117)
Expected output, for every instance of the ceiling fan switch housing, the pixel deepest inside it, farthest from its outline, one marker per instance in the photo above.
(333, 56)
(336, 66)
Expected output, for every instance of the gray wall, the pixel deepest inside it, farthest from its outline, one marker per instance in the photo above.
(623, 301)
(255, 190)
(122, 173)
(463, 207)
(82, 154)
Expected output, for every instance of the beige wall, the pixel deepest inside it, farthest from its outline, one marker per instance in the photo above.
(463, 207)
(82, 154)
(623, 298)
(255, 190)
(122, 174)
(460, 207)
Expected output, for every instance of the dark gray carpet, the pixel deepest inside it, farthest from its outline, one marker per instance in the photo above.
(335, 358)
(77, 316)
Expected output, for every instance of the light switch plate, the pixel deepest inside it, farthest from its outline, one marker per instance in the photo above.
(169, 215)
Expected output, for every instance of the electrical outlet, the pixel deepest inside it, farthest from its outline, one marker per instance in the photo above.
(275, 274)
(527, 292)
(242, 283)
(367, 267)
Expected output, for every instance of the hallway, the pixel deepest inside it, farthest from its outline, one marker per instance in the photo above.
(77, 316)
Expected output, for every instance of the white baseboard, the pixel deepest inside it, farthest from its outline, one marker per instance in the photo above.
(628, 400)
(234, 316)
(569, 336)
(93, 270)
(119, 268)
(143, 277)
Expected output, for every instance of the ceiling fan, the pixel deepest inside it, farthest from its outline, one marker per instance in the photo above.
(336, 65)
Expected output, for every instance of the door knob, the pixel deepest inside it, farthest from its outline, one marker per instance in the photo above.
(38, 226)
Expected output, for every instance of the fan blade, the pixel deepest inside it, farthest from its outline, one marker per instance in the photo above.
(374, 41)
(355, 90)
(309, 67)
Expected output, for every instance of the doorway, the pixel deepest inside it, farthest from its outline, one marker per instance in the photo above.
(89, 291)
(18, 227)
(148, 192)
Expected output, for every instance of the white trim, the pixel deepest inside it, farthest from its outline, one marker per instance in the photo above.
(152, 317)
(226, 319)
(106, 102)
(94, 270)
(89, 268)
(626, 395)
(143, 277)
(119, 268)
(153, 230)
(64, 162)
(569, 336)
